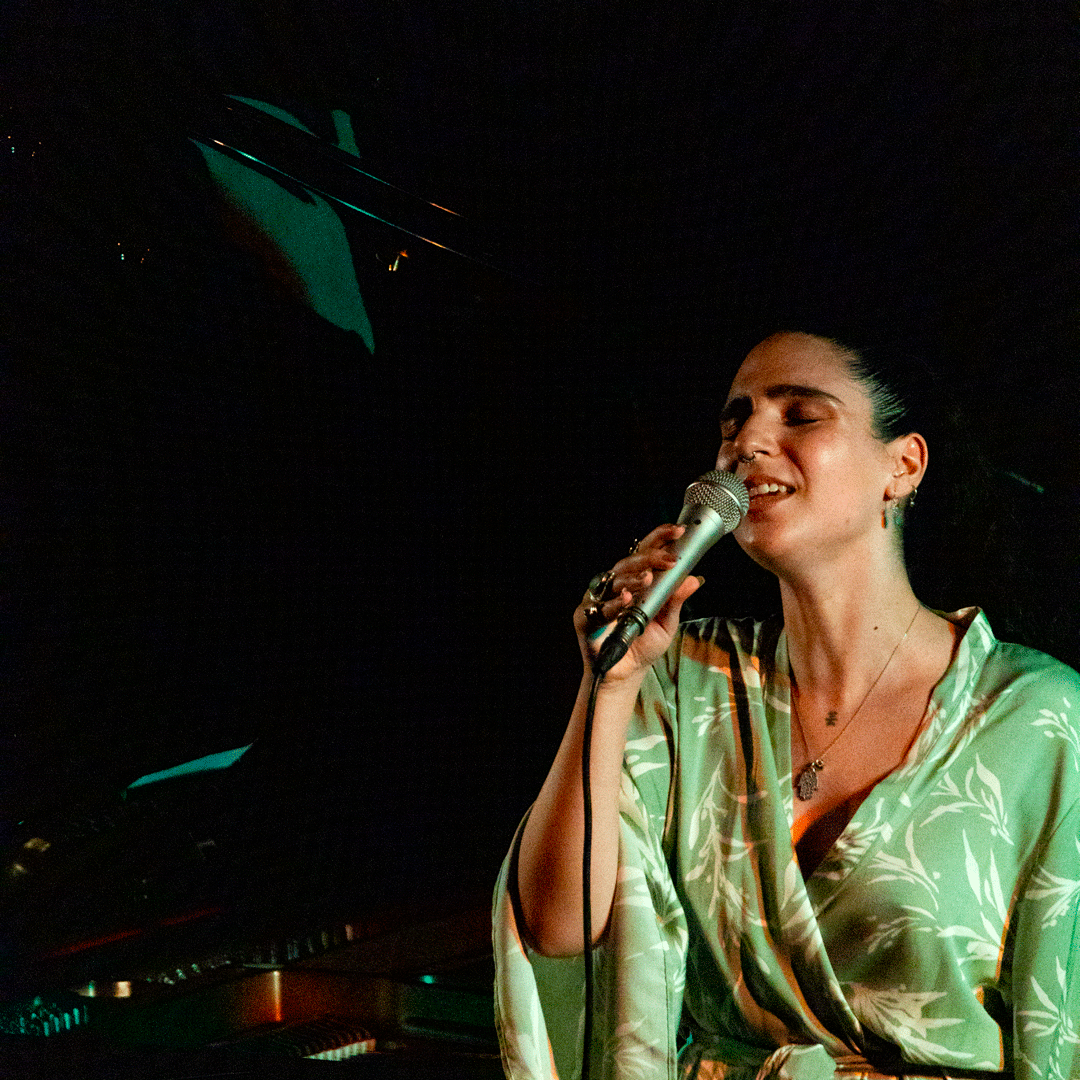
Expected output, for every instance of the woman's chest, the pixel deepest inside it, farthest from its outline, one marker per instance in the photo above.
(836, 766)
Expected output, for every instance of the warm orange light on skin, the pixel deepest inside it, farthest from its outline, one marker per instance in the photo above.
(807, 424)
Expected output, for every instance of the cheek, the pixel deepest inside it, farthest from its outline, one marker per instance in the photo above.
(851, 483)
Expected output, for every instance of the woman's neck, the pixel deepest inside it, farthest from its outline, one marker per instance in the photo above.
(843, 626)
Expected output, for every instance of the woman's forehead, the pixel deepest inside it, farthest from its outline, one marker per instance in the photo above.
(796, 360)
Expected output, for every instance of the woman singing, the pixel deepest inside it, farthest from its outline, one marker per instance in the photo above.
(845, 843)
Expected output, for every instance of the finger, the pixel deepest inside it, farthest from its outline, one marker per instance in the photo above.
(597, 627)
(635, 572)
(639, 577)
(657, 557)
(668, 615)
(660, 536)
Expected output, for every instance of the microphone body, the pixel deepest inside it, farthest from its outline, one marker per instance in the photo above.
(714, 504)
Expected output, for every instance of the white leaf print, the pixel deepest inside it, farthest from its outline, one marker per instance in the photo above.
(988, 801)
(993, 889)
(855, 841)
(885, 934)
(1053, 1021)
(712, 713)
(642, 901)
(717, 849)
(895, 869)
(972, 868)
(898, 1013)
(984, 943)
(791, 879)
(644, 767)
(1059, 727)
(647, 742)
(1044, 884)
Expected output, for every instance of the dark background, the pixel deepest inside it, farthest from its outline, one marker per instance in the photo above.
(223, 520)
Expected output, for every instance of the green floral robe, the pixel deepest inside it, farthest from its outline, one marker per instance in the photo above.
(943, 928)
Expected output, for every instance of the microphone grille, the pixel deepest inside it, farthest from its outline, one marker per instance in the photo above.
(723, 492)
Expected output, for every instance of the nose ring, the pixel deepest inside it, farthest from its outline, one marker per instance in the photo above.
(748, 460)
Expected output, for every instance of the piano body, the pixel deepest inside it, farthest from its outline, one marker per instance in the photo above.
(143, 935)
(315, 886)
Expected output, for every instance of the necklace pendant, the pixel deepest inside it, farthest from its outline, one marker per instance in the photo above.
(807, 783)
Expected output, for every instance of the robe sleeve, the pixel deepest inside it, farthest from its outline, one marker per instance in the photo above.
(639, 963)
(1046, 967)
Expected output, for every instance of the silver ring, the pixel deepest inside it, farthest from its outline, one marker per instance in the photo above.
(596, 595)
(748, 460)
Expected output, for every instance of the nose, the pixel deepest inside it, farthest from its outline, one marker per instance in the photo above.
(754, 439)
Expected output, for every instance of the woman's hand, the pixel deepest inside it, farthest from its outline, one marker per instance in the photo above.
(549, 865)
(631, 576)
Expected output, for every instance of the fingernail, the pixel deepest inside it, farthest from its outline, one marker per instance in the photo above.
(700, 579)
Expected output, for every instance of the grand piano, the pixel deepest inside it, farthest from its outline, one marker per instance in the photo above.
(167, 929)
(256, 806)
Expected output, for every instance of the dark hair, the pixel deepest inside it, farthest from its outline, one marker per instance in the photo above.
(894, 403)
(906, 396)
(964, 537)
(906, 392)
(902, 377)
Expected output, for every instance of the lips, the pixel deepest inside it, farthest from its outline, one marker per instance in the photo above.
(758, 486)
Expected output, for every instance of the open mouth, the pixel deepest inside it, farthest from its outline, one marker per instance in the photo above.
(761, 490)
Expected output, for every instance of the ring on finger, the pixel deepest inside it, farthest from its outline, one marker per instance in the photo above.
(598, 593)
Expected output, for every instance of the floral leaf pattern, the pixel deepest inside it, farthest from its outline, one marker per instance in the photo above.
(1056, 725)
(711, 712)
(716, 851)
(898, 1013)
(1064, 891)
(988, 800)
(895, 867)
(884, 933)
(955, 878)
(983, 941)
(856, 840)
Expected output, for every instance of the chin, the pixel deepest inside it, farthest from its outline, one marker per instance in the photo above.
(777, 546)
(764, 546)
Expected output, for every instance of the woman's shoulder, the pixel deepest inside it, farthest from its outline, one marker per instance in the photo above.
(1013, 669)
(1035, 667)
(1016, 705)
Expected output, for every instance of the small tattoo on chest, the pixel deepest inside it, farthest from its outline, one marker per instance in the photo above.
(830, 720)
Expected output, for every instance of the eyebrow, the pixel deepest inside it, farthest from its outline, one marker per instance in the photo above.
(778, 390)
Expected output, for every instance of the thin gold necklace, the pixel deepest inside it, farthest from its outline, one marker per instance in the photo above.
(807, 782)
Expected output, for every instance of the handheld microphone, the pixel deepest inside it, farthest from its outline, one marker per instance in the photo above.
(713, 505)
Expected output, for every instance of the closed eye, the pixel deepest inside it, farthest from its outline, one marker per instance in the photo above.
(798, 415)
(733, 417)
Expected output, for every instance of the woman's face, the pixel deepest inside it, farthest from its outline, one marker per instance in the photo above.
(818, 476)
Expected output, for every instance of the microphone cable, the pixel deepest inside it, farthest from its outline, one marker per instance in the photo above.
(586, 870)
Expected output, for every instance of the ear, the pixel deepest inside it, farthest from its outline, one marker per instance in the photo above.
(908, 456)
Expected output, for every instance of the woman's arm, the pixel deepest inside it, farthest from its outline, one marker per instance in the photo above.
(549, 862)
